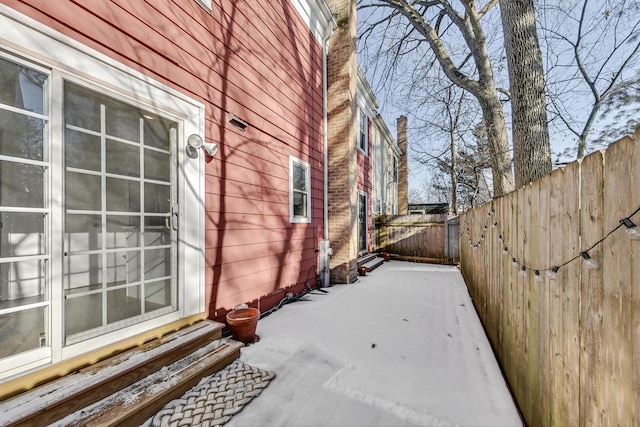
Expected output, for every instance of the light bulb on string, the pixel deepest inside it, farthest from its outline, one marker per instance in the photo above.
(505, 251)
(588, 262)
(538, 277)
(494, 225)
(551, 274)
(523, 271)
(632, 231)
(514, 261)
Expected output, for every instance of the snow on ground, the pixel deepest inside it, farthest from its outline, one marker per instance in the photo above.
(403, 346)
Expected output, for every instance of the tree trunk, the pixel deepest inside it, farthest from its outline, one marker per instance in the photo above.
(454, 174)
(498, 143)
(531, 150)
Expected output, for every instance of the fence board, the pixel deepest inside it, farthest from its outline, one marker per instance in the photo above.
(634, 198)
(617, 303)
(544, 305)
(592, 363)
(558, 408)
(569, 346)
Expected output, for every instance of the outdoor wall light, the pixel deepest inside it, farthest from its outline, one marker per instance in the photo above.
(195, 141)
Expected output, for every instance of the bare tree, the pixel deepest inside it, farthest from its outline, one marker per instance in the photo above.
(449, 119)
(592, 54)
(459, 46)
(531, 148)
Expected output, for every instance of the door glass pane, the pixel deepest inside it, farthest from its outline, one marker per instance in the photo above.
(81, 108)
(26, 331)
(123, 231)
(156, 231)
(157, 295)
(21, 234)
(22, 283)
(157, 198)
(155, 165)
(82, 313)
(82, 150)
(123, 121)
(21, 87)
(21, 136)
(123, 159)
(123, 268)
(157, 263)
(157, 132)
(21, 185)
(82, 191)
(123, 304)
(123, 195)
(83, 232)
(83, 273)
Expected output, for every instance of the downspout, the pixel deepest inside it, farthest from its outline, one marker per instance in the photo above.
(325, 150)
(325, 244)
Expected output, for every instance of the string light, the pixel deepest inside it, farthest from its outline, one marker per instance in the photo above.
(632, 231)
(589, 263)
(538, 277)
(551, 274)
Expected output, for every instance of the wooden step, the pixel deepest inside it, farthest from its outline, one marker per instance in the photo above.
(55, 400)
(143, 399)
(365, 259)
(373, 264)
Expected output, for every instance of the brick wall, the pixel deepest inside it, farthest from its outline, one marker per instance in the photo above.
(403, 172)
(342, 131)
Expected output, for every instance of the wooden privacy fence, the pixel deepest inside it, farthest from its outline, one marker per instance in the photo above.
(418, 237)
(569, 346)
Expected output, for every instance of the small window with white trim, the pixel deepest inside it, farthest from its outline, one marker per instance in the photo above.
(363, 134)
(299, 190)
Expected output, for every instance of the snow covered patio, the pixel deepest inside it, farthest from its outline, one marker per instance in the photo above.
(401, 347)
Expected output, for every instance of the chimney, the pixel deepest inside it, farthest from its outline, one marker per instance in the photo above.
(403, 172)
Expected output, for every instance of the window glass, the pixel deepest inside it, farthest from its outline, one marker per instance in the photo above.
(81, 108)
(21, 136)
(122, 158)
(21, 87)
(21, 185)
(299, 190)
(123, 195)
(82, 150)
(363, 135)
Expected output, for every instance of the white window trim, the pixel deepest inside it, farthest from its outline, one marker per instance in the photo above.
(297, 162)
(66, 58)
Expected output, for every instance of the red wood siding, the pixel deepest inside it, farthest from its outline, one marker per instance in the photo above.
(258, 61)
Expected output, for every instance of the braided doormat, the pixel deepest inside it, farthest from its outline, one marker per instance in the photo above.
(216, 398)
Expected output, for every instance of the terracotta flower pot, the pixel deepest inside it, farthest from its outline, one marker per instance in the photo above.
(386, 256)
(243, 323)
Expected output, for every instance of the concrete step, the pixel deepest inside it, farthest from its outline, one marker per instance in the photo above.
(57, 399)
